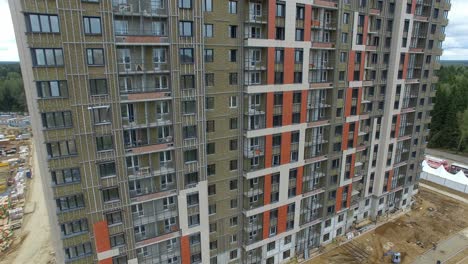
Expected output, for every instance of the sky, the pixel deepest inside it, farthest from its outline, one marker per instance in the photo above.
(455, 44)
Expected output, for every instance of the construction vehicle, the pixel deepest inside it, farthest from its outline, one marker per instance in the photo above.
(396, 256)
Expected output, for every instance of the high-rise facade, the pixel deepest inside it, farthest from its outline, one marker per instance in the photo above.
(217, 131)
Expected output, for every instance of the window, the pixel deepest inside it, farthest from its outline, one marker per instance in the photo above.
(57, 119)
(209, 55)
(194, 220)
(233, 183)
(110, 194)
(101, 115)
(287, 239)
(78, 251)
(92, 25)
(233, 144)
(213, 245)
(212, 188)
(344, 37)
(209, 103)
(61, 149)
(300, 34)
(104, 143)
(187, 81)
(212, 209)
(209, 79)
(210, 148)
(233, 79)
(211, 169)
(208, 5)
(233, 102)
(286, 254)
(233, 203)
(233, 254)
(185, 28)
(210, 126)
(51, 89)
(233, 221)
(98, 86)
(233, 123)
(233, 55)
(232, 30)
(186, 55)
(74, 227)
(271, 246)
(66, 176)
(117, 240)
(95, 56)
(43, 23)
(298, 56)
(232, 7)
(47, 57)
(300, 12)
(186, 4)
(190, 156)
(345, 18)
(208, 30)
(107, 169)
(233, 166)
(70, 202)
(114, 218)
(280, 10)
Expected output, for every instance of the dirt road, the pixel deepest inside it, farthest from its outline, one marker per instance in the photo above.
(36, 246)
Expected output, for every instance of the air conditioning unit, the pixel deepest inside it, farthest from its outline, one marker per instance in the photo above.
(125, 8)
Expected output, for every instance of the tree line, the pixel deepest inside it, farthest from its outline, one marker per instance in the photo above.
(12, 97)
(449, 125)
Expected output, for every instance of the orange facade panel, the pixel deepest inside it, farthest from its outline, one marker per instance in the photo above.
(268, 150)
(339, 197)
(299, 180)
(282, 218)
(267, 189)
(285, 148)
(185, 249)
(288, 66)
(287, 108)
(101, 239)
(266, 224)
(271, 19)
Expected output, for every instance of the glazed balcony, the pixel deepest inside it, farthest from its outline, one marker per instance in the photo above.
(137, 88)
(140, 8)
(151, 187)
(254, 147)
(154, 229)
(326, 3)
(311, 209)
(146, 140)
(146, 114)
(148, 32)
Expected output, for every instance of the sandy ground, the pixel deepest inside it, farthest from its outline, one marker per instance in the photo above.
(33, 240)
(434, 218)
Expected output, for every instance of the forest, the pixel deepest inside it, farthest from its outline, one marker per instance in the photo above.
(12, 97)
(449, 126)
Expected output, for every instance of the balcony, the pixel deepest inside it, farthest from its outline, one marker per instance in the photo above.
(142, 67)
(141, 141)
(140, 8)
(326, 3)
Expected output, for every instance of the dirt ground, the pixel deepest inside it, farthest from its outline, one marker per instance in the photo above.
(434, 217)
(32, 244)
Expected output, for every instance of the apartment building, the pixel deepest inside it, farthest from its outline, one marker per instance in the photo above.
(227, 131)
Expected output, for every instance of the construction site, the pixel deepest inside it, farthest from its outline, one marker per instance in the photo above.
(433, 219)
(18, 212)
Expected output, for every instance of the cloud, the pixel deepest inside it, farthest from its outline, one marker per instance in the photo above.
(456, 40)
(8, 50)
(455, 45)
